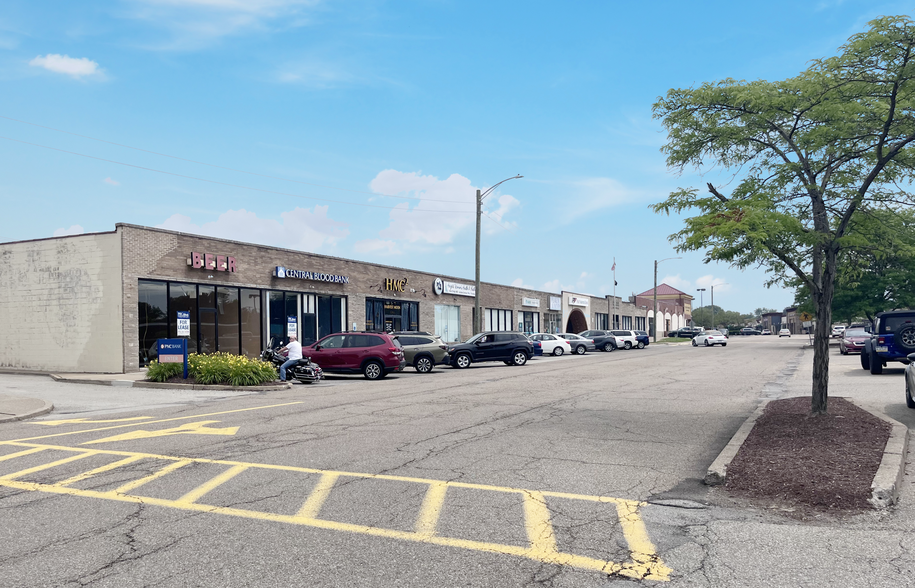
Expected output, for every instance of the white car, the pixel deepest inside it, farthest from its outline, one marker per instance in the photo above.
(838, 331)
(710, 338)
(626, 339)
(784, 333)
(552, 344)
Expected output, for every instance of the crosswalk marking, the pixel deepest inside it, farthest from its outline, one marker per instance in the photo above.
(542, 544)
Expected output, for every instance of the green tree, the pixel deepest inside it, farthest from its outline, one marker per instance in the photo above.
(810, 153)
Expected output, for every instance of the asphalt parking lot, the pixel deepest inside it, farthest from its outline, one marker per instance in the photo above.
(569, 471)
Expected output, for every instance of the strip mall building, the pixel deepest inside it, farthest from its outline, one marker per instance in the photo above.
(98, 302)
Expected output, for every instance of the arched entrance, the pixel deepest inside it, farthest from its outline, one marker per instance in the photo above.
(577, 322)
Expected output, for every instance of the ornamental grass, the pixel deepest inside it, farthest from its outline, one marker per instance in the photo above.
(216, 368)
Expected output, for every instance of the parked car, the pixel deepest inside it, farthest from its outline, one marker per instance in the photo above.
(626, 339)
(552, 344)
(603, 340)
(910, 381)
(766, 332)
(837, 331)
(374, 355)
(538, 347)
(710, 338)
(784, 333)
(643, 339)
(853, 340)
(511, 348)
(578, 343)
(423, 352)
(749, 331)
(723, 331)
(893, 339)
(685, 332)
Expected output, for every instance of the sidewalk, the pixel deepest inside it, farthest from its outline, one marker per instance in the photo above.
(13, 408)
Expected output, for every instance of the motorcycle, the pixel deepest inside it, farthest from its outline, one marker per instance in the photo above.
(304, 370)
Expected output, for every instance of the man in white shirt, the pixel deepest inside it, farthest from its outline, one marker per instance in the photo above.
(295, 354)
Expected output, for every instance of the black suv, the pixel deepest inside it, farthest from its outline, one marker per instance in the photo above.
(603, 340)
(508, 347)
(893, 339)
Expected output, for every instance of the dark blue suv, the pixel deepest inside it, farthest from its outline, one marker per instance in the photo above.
(893, 339)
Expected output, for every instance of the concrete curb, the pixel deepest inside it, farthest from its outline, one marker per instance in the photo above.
(145, 384)
(887, 481)
(48, 407)
(717, 472)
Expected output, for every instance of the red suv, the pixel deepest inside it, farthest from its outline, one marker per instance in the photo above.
(374, 355)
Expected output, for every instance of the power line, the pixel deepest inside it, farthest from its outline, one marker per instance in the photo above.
(226, 183)
(25, 122)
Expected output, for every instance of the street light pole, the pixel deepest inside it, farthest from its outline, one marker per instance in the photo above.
(700, 291)
(477, 319)
(654, 329)
(713, 301)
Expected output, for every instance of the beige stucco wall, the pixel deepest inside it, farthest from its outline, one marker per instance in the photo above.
(60, 304)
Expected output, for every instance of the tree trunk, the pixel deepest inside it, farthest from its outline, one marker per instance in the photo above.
(821, 334)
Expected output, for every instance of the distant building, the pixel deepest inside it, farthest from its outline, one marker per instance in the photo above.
(674, 307)
(773, 321)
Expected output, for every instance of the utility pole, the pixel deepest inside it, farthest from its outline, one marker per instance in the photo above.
(654, 330)
(700, 291)
(477, 316)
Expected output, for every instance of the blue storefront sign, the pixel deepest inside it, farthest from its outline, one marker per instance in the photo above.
(172, 351)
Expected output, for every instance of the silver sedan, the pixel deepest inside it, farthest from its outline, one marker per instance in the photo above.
(578, 343)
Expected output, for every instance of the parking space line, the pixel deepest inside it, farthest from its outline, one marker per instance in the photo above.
(46, 466)
(23, 453)
(124, 489)
(200, 491)
(99, 470)
(431, 509)
(542, 546)
(317, 497)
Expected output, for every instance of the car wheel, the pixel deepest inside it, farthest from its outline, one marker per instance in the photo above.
(865, 359)
(608, 347)
(695, 344)
(580, 350)
(904, 337)
(462, 361)
(708, 345)
(423, 364)
(842, 350)
(507, 362)
(724, 344)
(909, 401)
(519, 358)
(628, 345)
(876, 363)
(641, 345)
(373, 371)
(558, 350)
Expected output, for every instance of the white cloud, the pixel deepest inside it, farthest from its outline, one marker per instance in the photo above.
(586, 196)
(376, 246)
(519, 283)
(585, 276)
(73, 230)
(709, 280)
(677, 282)
(300, 228)
(197, 23)
(74, 67)
(557, 286)
(316, 74)
(111, 182)
(441, 208)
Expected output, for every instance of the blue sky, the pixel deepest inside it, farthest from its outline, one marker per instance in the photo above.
(362, 128)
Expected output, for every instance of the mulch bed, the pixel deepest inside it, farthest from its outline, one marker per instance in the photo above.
(191, 380)
(824, 463)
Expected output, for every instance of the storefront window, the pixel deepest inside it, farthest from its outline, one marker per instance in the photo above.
(206, 302)
(277, 302)
(250, 322)
(152, 317)
(552, 322)
(331, 313)
(497, 320)
(448, 322)
(529, 321)
(601, 320)
(227, 317)
(627, 322)
(309, 322)
(391, 315)
(183, 297)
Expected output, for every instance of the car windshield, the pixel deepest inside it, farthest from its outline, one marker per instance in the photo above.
(475, 338)
(856, 333)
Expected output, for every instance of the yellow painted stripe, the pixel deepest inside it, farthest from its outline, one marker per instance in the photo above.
(642, 550)
(316, 499)
(634, 570)
(164, 471)
(22, 453)
(99, 470)
(144, 423)
(431, 508)
(46, 466)
(539, 528)
(222, 478)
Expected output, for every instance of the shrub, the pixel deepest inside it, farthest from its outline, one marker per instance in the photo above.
(225, 368)
(161, 372)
